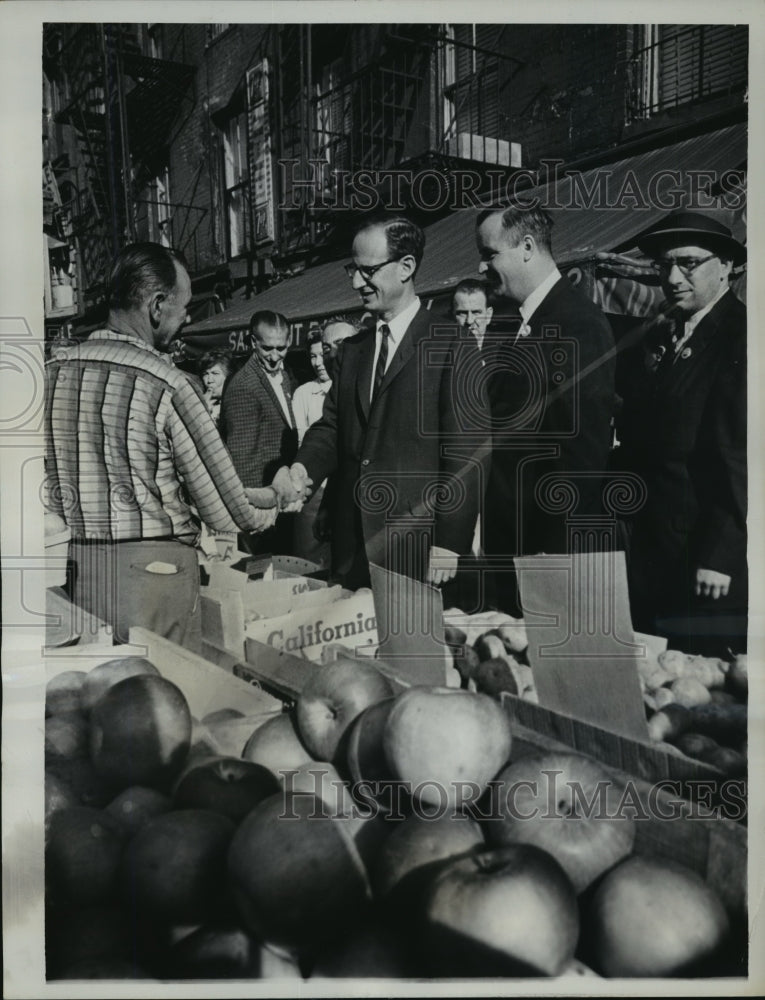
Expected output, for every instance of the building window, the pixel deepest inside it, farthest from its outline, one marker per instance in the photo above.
(155, 41)
(235, 180)
(678, 64)
(215, 31)
(475, 77)
(162, 224)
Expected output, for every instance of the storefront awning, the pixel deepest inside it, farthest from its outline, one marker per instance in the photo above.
(595, 212)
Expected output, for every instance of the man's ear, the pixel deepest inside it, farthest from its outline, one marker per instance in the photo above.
(408, 265)
(489, 313)
(155, 305)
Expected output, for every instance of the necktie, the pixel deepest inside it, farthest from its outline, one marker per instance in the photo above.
(288, 397)
(382, 358)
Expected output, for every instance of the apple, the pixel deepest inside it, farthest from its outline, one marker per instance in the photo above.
(446, 743)
(98, 681)
(652, 917)
(566, 804)
(140, 731)
(417, 842)
(66, 736)
(295, 873)
(365, 754)
(373, 949)
(215, 952)
(277, 746)
(227, 785)
(58, 795)
(511, 911)
(82, 855)
(63, 693)
(333, 696)
(135, 806)
(174, 868)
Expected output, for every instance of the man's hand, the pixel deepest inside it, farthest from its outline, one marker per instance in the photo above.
(265, 497)
(265, 518)
(442, 566)
(292, 487)
(710, 583)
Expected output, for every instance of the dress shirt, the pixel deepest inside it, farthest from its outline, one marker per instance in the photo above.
(308, 404)
(398, 327)
(693, 321)
(124, 430)
(532, 302)
(277, 384)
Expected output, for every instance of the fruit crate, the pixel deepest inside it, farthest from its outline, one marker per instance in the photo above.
(667, 825)
(651, 762)
(208, 687)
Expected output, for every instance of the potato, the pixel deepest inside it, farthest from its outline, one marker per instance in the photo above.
(724, 723)
(663, 696)
(738, 677)
(658, 679)
(697, 745)
(669, 723)
(490, 647)
(673, 662)
(689, 692)
(705, 670)
(730, 761)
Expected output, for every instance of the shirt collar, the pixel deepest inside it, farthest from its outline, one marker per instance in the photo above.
(320, 388)
(532, 302)
(130, 338)
(400, 323)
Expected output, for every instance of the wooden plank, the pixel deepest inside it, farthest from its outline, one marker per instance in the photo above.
(67, 622)
(207, 687)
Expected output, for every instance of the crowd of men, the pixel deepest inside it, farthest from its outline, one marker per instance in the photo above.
(441, 450)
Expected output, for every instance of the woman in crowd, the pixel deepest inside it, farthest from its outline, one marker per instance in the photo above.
(307, 405)
(215, 368)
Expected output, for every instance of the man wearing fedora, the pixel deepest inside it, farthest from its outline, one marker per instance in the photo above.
(683, 430)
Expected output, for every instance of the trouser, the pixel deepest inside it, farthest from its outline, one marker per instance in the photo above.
(118, 583)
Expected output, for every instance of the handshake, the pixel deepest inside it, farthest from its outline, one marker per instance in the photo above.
(292, 487)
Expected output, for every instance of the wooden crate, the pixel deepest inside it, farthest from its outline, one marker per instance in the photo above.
(206, 686)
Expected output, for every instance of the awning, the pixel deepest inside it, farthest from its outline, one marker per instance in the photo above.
(597, 211)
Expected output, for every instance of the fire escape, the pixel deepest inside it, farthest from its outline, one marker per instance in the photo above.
(117, 107)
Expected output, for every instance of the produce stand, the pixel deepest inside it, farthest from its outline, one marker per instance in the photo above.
(248, 677)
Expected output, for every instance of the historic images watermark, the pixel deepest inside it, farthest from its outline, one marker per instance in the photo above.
(433, 190)
(526, 800)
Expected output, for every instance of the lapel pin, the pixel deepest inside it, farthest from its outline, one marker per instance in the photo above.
(686, 353)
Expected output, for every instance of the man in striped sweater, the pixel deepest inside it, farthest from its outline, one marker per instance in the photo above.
(134, 461)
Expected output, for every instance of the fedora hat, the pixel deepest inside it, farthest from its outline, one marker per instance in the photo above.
(691, 229)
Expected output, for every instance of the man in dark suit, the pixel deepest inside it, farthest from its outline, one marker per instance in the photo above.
(683, 430)
(551, 394)
(257, 422)
(405, 495)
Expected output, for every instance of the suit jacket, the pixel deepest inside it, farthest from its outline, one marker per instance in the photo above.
(552, 399)
(254, 426)
(683, 430)
(405, 473)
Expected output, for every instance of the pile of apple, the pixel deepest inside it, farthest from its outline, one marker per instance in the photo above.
(698, 705)
(367, 832)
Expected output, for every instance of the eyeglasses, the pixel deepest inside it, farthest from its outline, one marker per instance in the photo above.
(366, 271)
(686, 265)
